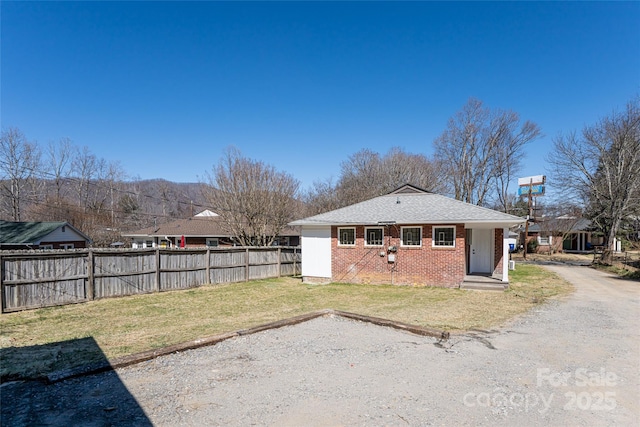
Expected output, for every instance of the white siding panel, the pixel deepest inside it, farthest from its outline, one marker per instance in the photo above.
(316, 252)
(57, 235)
(505, 254)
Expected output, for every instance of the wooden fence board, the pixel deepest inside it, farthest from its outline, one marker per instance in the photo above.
(47, 278)
(124, 273)
(41, 282)
(227, 275)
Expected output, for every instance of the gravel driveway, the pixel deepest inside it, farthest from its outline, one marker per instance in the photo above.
(573, 361)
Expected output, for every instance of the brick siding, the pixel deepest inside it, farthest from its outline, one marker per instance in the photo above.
(425, 265)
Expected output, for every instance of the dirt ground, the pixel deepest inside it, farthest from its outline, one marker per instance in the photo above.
(569, 362)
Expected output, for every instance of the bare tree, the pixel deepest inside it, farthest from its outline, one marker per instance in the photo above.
(359, 177)
(367, 174)
(601, 167)
(510, 137)
(399, 167)
(114, 177)
(19, 160)
(58, 165)
(558, 222)
(83, 168)
(254, 201)
(481, 150)
(321, 197)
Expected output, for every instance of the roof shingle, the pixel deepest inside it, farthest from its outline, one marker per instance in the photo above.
(410, 208)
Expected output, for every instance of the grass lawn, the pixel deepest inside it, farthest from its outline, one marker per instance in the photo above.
(37, 342)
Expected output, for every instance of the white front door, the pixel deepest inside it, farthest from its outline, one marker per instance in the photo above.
(480, 257)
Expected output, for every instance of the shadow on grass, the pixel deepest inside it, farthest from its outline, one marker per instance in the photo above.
(45, 385)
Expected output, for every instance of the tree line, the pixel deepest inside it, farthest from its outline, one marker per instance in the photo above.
(599, 170)
(476, 158)
(64, 182)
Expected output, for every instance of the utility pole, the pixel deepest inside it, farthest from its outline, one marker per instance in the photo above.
(528, 182)
(526, 227)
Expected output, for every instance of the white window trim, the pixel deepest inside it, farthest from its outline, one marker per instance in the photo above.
(350, 245)
(211, 240)
(433, 236)
(67, 246)
(46, 247)
(547, 243)
(366, 237)
(403, 245)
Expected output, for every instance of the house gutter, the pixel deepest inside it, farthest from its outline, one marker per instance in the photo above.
(467, 224)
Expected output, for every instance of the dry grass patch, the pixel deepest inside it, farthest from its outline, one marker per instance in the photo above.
(37, 342)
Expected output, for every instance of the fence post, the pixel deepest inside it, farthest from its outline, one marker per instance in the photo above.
(279, 261)
(246, 265)
(89, 291)
(158, 269)
(295, 258)
(208, 269)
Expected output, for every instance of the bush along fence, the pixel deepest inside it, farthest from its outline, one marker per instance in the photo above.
(48, 278)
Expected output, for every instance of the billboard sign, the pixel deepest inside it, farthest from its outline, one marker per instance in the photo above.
(536, 190)
(536, 179)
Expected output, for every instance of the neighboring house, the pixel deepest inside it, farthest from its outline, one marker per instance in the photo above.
(409, 236)
(205, 229)
(534, 233)
(580, 237)
(565, 234)
(41, 235)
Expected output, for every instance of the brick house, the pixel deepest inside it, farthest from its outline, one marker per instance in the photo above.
(409, 236)
(41, 235)
(566, 234)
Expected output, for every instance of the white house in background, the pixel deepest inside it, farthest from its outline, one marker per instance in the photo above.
(206, 214)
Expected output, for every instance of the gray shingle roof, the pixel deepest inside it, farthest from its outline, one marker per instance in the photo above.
(205, 226)
(196, 226)
(411, 208)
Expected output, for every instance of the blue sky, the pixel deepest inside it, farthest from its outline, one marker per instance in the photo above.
(165, 87)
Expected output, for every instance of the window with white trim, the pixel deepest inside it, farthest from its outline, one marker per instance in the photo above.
(544, 240)
(346, 236)
(213, 242)
(46, 246)
(373, 236)
(66, 246)
(444, 237)
(411, 236)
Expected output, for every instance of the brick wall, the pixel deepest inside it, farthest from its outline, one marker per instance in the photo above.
(77, 244)
(423, 265)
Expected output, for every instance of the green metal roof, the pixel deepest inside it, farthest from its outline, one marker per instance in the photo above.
(26, 232)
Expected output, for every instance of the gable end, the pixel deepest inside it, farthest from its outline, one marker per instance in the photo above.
(409, 189)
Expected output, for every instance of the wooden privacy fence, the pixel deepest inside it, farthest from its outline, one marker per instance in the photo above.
(42, 279)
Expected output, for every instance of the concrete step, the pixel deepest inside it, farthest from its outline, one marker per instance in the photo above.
(484, 286)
